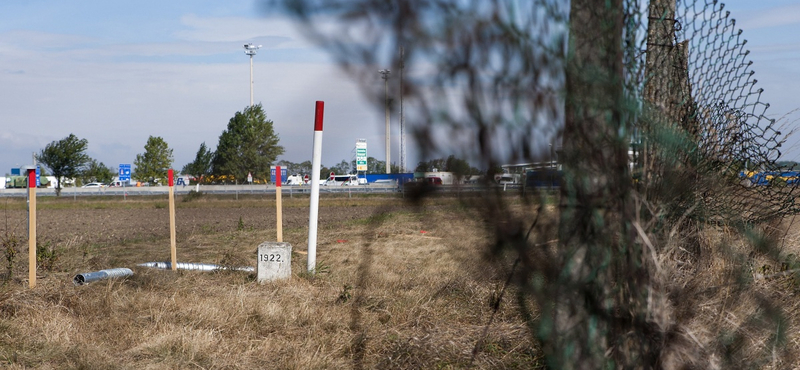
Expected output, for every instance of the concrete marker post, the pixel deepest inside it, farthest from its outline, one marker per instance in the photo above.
(31, 227)
(313, 211)
(274, 261)
(278, 203)
(173, 249)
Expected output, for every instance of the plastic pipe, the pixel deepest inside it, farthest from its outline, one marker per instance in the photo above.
(88, 277)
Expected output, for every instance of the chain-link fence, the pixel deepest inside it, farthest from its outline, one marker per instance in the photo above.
(664, 137)
(703, 123)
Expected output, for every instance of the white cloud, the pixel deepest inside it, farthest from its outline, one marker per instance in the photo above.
(116, 93)
(42, 40)
(271, 32)
(776, 51)
(770, 18)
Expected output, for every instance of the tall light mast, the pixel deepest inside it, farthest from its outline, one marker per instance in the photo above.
(251, 50)
(385, 75)
(402, 119)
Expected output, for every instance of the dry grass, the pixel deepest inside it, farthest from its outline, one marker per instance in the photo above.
(732, 302)
(386, 295)
(398, 286)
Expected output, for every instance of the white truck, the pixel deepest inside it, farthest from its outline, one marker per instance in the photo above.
(295, 180)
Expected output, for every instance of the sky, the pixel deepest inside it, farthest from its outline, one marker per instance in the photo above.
(117, 72)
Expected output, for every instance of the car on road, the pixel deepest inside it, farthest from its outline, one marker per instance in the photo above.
(94, 185)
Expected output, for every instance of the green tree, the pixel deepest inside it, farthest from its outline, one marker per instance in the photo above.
(288, 165)
(152, 165)
(375, 166)
(248, 145)
(64, 158)
(303, 168)
(342, 168)
(202, 164)
(459, 167)
(324, 172)
(452, 164)
(96, 171)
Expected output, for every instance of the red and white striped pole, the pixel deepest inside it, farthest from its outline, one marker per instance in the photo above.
(32, 227)
(313, 212)
(172, 242)
(278, 203)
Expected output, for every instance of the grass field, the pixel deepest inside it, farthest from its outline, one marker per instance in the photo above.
(397, 286)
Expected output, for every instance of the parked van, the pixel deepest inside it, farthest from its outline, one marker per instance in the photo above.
(294, 180)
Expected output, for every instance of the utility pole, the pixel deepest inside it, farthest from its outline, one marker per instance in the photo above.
(385, 75)
(251, 50)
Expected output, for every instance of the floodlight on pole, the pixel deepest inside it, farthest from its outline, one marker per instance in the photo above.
(251, 50)
(402, 118)
(385, 75)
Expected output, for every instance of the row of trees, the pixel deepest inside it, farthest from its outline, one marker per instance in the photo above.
(457, 166)
(67, 158)
(248, 145)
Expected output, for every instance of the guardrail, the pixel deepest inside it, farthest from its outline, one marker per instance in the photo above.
(240, 189)
(208, 189)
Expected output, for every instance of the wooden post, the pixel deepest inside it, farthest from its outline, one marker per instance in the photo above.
(173, 249)
(278, 203)
(32, 227)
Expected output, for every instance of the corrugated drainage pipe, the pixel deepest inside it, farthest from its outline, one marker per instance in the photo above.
(195, 266)
(88, 277)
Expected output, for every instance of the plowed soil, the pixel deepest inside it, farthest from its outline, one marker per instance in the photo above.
(116, 222)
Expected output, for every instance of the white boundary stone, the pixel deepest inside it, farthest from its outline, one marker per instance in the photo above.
(274, 261)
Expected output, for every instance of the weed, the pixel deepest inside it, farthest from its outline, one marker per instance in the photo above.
(46, 256)
(87, 248)
(192, 195)
(233, 260)
(10, 245)
(240, 225)
(345, 294)
(320, 268)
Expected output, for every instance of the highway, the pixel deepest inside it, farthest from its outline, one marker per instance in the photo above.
(240, 189)
(208, 189)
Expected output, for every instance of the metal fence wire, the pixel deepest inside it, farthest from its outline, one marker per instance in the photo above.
(662, 129)
(702, 139)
